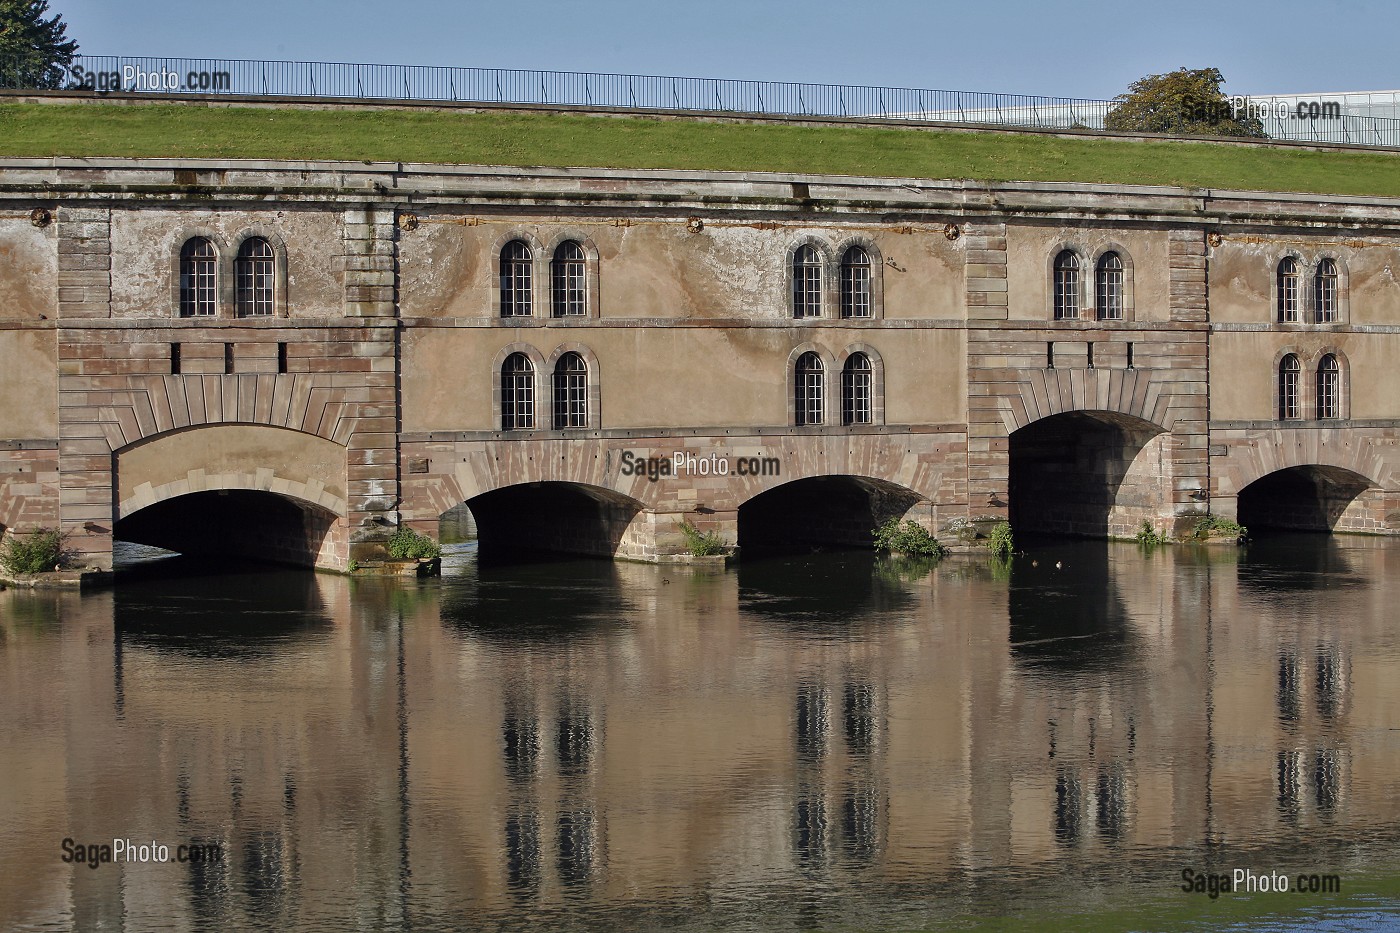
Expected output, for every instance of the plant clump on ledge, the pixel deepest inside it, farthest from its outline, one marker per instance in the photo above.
(40, 551)
(1001, 542)
(1149, 537)
(407, 544)
(701, 543)
(1213, 526)
(908, 538)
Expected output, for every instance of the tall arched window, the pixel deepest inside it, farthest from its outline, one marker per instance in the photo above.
(806, 282)
(199, 291)
(570, 392)
(1288, 370)
(1329, 395)
(254, 275)
(855, 284)
(517, 393)
(1108, 284)
(857, 390)
(516, 280)
(568, 276)
(1288, 290)
(808, 389)
(1325, 292)
(1066, 285)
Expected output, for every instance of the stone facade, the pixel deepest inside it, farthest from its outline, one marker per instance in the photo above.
(372, 393)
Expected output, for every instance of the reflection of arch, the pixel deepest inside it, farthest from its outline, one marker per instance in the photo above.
(819, 511)
(1300, 498)
(1086, 473)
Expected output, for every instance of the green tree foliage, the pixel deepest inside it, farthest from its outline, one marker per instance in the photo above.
(908, 538)
(33, 50)
(38, 552)
(1182, 103)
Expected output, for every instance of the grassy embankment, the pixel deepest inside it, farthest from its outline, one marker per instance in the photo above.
(561, 139)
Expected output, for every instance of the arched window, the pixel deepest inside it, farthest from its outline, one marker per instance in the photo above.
(1329, 395)
(517, 393)
(570, 392)
(1325, 292)
(199, 291)
(855, 283)
(1108, 283)
(254, 275)
(806, 282)
(1288, 370)
(808, 389)
(857, 390)
(516, 280)
(1066, 285)
(568, 275)
(1288, 290)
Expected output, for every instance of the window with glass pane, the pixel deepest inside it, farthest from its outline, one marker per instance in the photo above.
(809, 387)
(254, 272)
(570, 392)
(517, 393)
(855, 283)
(567, 272)
(1288, 370)
(1325, 292)
(1288, 291)
(806, 283)
(1066, 285)
(198, 278)
(516, 279)
(1328, 388)
(857, 390)
(1109, 285)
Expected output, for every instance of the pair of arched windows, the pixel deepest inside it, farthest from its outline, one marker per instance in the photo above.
(1325, 294)
(569, 393)
(254, 278)
(856, 293)
(1110, 286)
(568, 280)
(1327, 388)
(857, 390)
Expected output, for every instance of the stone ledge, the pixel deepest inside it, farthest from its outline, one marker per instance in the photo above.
(88, 578)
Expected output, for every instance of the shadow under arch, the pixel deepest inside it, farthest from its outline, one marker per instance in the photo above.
(1067, 619)
(552, 517)
(1300, 498)
(1085, 474)
(236, 523)
(816, 513)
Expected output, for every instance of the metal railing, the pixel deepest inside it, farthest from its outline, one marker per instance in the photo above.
(640, 92)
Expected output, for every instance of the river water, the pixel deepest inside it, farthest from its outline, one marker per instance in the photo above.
(825, 742)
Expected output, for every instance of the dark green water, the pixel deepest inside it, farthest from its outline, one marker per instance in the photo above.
(830, 742)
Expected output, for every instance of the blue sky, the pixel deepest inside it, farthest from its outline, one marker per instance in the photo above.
(1066, 48)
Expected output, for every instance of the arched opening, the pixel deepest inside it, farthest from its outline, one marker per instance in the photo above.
(1094, 474)
(820, 512)
(240, 524)
(1302, 498)
(551, 518)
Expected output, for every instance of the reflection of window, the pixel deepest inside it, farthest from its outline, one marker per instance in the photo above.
(812, 720)
(1288, 369)
(570, 392)
(858, 717)
(1288, 694)
(198, 278)
(567, 274)
(855, 283)
(1111, 808)
(254, 272)
(517, 393)
(806, 282)
(574, 733)
(1326, 780)
(1330, 683)
(1325, 292)
(1328, 387)
(808, 388)
(860, 822)
(1290, 782)
(1069, 808)
(1066, 285)
(516, 280)
(520, 740)
(578, 846)
(1288, 290)
(1109, 286)
(810, 829)
(522, 832)
(857, 390)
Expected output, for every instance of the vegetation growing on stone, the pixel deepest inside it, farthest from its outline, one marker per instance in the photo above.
(908, 538)
(39, 552)
(1149, 537)
(1213, 526)
(701, 543)
(407, 544)
(1000, 541)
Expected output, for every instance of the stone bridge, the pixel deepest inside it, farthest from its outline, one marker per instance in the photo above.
(289, 361)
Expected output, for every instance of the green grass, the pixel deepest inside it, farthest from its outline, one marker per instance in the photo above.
(406, 135)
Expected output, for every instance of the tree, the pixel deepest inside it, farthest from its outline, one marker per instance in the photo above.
(1182, 103)
(33, 50)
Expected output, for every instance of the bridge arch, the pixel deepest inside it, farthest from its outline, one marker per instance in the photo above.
(560, 517)
(243, 490)
(1310, 497)
(834, 510)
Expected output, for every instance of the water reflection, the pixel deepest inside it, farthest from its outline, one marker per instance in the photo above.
(581, 745)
